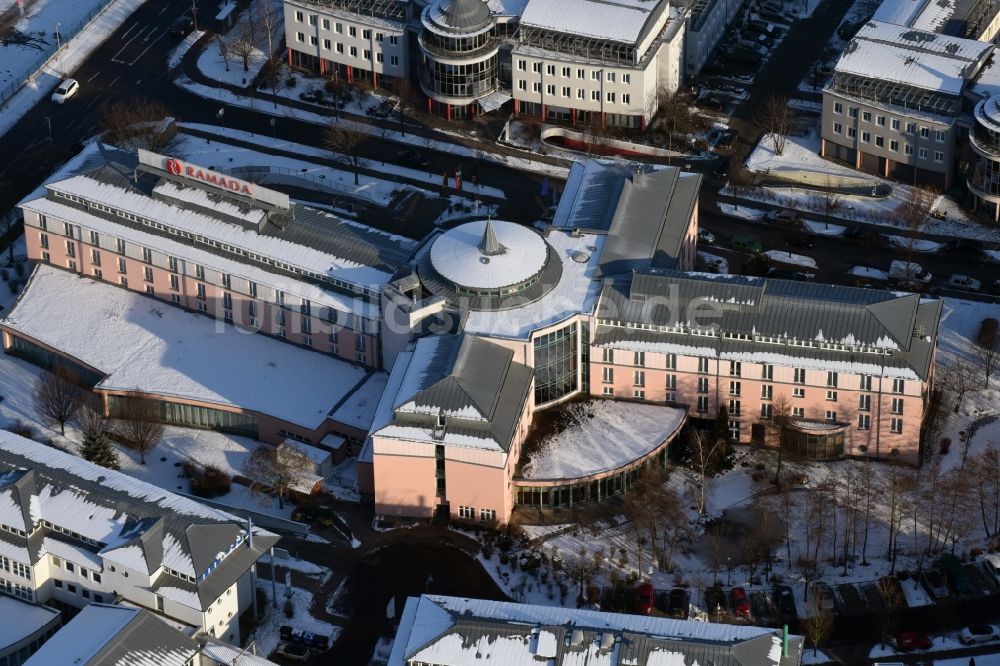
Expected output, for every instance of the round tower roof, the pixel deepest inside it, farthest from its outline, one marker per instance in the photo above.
(464, 15)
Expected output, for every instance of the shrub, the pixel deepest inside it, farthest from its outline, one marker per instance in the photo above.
(292, 82)
(207, 481)
(24, 429)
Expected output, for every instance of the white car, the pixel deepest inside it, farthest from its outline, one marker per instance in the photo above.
(959, 281)
(979, 633)
(706, 236)
(66, 89)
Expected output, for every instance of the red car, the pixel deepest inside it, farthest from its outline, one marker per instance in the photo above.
(741, 604)
(644, 598)
(912, 640)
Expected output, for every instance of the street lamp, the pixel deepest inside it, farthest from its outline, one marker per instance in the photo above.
(729, 571)
(58, 48)
(274, 136)
(221, 114)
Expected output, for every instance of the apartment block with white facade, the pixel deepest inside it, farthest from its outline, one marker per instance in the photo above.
(596, 62)
(72, 533)
(355, 40)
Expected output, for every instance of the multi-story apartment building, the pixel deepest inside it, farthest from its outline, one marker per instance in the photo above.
(893, 105)
(356, 40)
(707, 21)
(450, 631)
(600, 62)
(72, 533)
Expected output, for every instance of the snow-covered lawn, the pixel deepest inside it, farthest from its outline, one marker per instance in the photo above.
(267, 633)
(916, 244)
(222, 58)
(747, 213)
(72, 55)
(823, 228)
(583, 445)
(11, 287)
(721, 264)
(181, 50)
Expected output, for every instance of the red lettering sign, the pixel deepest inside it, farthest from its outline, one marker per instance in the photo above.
(175, 167)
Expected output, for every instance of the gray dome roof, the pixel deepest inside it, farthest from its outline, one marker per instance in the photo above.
(465, 14)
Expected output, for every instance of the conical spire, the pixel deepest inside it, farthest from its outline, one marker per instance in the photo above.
(490, 244)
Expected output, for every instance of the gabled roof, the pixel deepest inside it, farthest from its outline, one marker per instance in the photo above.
(452, 631)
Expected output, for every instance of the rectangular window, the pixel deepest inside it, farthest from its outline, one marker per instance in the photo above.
(639, 394)
(864, 403)
(852, 133)
(536, 86)
(767, 371)
(894, 145)
(379, 57)
(123, 281)
(866, 137)
(121, 264)
(880, 121)
(639, 359)
(766, 410)
(339, 28)
(864, 421)
(866, 116)
(608, 355)
(831, 396)
(702, 404)
(327, 44)
(939, 136)
(766, 391)
(149, 289)
(898, 386)
(340, 48)
(466, 512)
(70, 249)
(536, 67)
(566, 72)
(300, 37)
(734, 388)
(626, 98)
(595, 95)
(366, 54)
(799, 412)
(201, 291)
(394, 60)
(70, 567)
(43, 241)
(735, 369)
(595, 75)
(907, 149)
(702, 364)
(550, 70)
(852, 112)
(831, 415)
(703, 385)
(522, 84)
(938, 156)
(838, 107)
(172, 264)
(366, 34)
(671, 383)
(147, 274)
(897, 405)
(607, 390)
(800, 376)
(174, 283)
(611, 98)
(487, 515)
(880, 142)
(299, 17)
(831, 379)
(95, 238)
(566, 92)
(550, 89)
(352, 31)
(838, 128)
(798, 392)
(227, 300)
(611, 77)
(581, 93)
(68, 229)
(639, 379)
(865, 383)
(608, 375)
(354, 51)
(326, 24)
(581, 74)
(147, 255)
(671, 360)
(894, 123)
(925, 132)
(896, 426)
(911, 128)
(522, 65)
(312, 40)
(199, 272)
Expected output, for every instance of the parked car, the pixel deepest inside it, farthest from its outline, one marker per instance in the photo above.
(311, 513)
(705, 236)
(934, 582)
(967, 246)
(782, 216)
(907, 641)
(644, 598)
(745, 244)
(956, 574)
(979, 633)
(991, 561)
(67, 89)
(679, 603)
(715, 600)
(309, 639)
(822, 595)
(964, 282)
(798, 239)
(741, 603)
(994, 288)
(412, 158)
(784, 600)
(293, 651)
(182, 26)
(785, 274)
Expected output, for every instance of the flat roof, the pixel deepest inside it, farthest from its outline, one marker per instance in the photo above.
(357, 410)
(613, 20)
(177, 354)
(911, 57)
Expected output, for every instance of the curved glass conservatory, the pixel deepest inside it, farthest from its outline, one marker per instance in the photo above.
(983, 177)
(460, 53)
(815, 440)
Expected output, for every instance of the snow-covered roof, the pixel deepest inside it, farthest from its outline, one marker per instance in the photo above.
(174, 353)
(324, 262)
(458, 256)
(899, 12)
(99, 510)
(21, 619)
(358, 409)
(106, 635)
(452, 631)
(507, 7)
(613, 20)
(229, 655)
(573, 294)
(600, 436)
(915, 58)
(386, 403)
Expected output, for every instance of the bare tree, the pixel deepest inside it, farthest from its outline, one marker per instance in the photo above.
(892, 598)
(224, 50)
(704, 452)
(830, 202)
(58, 396)
(345, 144)
(243, 47)
(986, 479)
(275, 77)
(987, 348)
(773, 117)
(913, 214)
(818, 625)
(137, 123)
(959, 378)
(407, 101)
(775, 427)
(268, 20)
(869, 492)
(8, 221)
(895, 493)
(140, 423)
(276, 468)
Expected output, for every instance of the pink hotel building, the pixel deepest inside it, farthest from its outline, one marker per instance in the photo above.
(598, 303)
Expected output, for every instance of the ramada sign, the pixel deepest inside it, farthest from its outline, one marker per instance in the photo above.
(178, 168)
